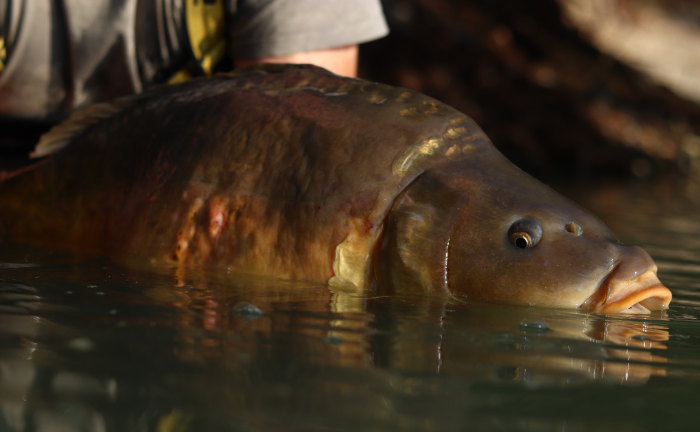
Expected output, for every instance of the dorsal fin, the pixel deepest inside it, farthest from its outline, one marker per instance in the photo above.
(60, 135)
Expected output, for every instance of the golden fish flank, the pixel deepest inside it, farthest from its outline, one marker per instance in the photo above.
(292, 172)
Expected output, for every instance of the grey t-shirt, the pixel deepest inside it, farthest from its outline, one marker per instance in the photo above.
(63, 54)
(268, 28)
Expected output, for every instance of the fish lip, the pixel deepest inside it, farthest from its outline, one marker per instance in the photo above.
(640, 295)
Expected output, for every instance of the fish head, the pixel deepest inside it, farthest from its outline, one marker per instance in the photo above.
(484, 230)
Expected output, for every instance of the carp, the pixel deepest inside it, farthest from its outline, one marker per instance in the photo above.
(291, 172)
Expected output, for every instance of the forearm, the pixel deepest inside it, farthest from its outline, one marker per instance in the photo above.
(340, 60)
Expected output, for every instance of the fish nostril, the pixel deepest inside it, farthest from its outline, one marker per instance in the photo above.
(574, 228)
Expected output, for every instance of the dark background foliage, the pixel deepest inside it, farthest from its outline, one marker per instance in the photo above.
(547, 97)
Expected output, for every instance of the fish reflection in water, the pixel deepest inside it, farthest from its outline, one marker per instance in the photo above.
(426, 335)
(537, 345)
(205, 349)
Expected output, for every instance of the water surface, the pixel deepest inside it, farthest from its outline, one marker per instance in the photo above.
(90, 345)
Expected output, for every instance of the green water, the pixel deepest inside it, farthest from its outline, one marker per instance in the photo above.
(89, 345)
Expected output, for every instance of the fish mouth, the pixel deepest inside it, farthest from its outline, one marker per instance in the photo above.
(630, 295)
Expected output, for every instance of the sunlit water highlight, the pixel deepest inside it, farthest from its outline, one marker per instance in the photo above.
(89, 345)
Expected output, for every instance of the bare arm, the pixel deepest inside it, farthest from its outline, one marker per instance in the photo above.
(340, 60)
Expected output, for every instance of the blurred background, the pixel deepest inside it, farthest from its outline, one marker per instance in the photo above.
(575, 88)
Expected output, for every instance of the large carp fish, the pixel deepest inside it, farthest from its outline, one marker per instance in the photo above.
(295, 173)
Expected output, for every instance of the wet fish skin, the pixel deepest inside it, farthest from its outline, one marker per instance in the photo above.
(291, 172)
(295, 159)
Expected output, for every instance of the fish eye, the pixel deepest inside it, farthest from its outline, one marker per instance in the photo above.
(525, 233)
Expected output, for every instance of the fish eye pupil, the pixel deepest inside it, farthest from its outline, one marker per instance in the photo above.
(522, 240)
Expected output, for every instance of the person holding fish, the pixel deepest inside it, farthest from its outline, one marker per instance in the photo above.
(57, 56)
